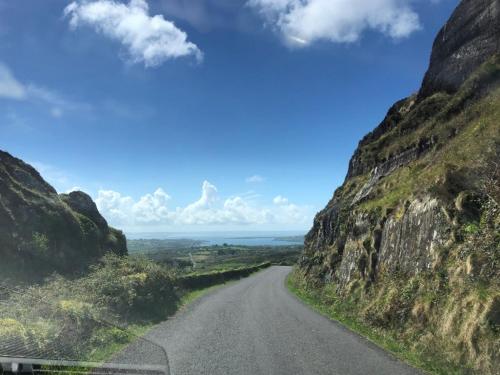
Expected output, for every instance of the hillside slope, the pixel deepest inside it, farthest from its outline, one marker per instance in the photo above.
(42, 230)
(411, 241)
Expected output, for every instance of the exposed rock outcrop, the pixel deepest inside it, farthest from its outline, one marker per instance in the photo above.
(410, 244)
(53, 232)
(389, 166)
(410, 240)
(409, 133)
(358, 166)
(468, 39)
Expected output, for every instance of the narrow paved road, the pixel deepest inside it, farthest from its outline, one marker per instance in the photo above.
(255, 326)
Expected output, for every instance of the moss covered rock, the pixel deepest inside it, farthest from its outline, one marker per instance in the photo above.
(410, 241)
(42, 230)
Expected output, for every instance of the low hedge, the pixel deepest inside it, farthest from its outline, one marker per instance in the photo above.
(208, 279)
(82, 318)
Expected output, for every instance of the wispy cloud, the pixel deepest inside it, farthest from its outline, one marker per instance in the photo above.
(255, 179)
(206, 15)
(13, 89)
(302, 22)
(10, 87)
(148, 39)
(58, 104)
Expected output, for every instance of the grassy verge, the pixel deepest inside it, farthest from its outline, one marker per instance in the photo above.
(89, 319)
(345, 315)
(136, 331)
(192, 295)
(133, 333)
(139, 330)
(187, 297)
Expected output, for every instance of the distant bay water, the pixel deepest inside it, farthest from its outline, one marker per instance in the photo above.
(230, 238)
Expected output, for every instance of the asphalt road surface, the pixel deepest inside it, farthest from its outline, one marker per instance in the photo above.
(255, 326)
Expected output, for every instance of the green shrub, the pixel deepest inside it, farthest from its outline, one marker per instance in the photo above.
(471, 228)
(81, 319)
(11, 329)
(73, 319)
(131, 287)
(40, 243)
(197, 281)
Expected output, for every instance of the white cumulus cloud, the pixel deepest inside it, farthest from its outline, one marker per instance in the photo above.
(124, 211)
(211, 210)
(148, 39)
(151, 210)
(279, 200)
(152, 207)
(115, 208)
(302, 22)
(201, 211)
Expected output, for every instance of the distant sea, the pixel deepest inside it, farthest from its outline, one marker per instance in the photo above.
(230, 238)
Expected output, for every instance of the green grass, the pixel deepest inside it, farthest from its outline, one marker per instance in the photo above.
(133, 332)
(136, 331)
(194, 295)
(135, 293)
(457, 127)
(343, 312)
(434, 116)
(139, 330)
(450, 164)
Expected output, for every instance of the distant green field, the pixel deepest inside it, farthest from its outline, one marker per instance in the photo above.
(189, 256)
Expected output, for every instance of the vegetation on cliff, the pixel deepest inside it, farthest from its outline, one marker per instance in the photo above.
(409, 245)
(44, 231)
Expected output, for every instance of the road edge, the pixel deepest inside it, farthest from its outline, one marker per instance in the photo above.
(317, 308)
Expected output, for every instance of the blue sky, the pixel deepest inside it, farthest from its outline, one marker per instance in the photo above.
(191, 115)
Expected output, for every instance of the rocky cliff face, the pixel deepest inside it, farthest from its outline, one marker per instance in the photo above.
(468, 39)
(413, 134)
(39, 228)
(399, 224)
